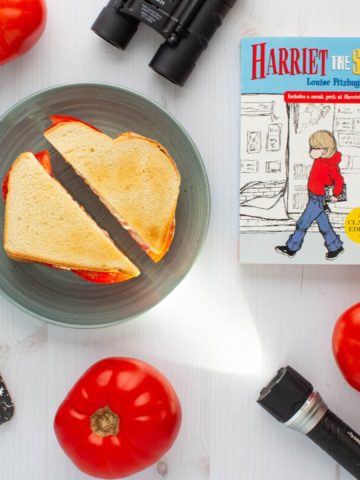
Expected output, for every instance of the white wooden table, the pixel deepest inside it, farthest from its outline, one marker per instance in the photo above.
(225, 330)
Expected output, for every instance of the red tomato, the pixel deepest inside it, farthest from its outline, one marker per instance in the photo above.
(120, 417)
(346, 345)
(56, 119)
(21, 24)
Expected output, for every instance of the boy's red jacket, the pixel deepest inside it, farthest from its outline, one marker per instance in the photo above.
(326, 171)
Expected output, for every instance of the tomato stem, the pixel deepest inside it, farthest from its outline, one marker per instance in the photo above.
(104, 422)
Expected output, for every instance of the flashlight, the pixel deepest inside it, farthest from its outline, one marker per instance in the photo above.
(291, 399)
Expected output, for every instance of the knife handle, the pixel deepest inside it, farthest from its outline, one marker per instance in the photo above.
(6, 404)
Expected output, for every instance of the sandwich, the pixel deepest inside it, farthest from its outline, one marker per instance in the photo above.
(44, 224)
(133, 176)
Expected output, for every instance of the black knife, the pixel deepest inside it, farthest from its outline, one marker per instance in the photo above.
(6, 404)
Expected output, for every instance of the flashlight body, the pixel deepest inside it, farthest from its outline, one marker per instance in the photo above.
(339, 441)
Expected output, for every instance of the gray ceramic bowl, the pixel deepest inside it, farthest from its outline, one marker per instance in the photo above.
(60, 297)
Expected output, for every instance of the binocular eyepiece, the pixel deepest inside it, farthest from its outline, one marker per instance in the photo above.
(186, 25)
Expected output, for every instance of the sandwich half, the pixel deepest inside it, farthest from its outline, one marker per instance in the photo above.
(44, 224)
(135, 177)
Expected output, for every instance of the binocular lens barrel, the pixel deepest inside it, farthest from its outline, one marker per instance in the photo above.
(173, 63)
(114, 27)
(176, 62)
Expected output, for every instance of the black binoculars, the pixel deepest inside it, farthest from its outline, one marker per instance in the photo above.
(186, 25)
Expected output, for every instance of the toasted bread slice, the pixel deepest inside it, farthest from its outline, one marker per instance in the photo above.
(134, 176)
(44, 224)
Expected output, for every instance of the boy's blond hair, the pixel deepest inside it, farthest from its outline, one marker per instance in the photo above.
(324, 139)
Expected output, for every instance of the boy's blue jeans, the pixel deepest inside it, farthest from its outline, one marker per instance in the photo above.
(314, 211)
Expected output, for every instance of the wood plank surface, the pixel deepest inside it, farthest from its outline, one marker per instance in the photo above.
(225, 330)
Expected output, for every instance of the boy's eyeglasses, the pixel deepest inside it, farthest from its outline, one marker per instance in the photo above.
(317, 148)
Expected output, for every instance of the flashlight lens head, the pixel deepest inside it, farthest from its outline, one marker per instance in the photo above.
(285, 394)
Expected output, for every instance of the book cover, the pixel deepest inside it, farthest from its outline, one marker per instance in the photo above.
(300, 151)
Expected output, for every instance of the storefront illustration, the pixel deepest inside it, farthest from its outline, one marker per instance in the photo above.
(275, 162)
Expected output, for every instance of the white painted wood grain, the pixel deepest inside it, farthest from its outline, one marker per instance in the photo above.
(224, 331)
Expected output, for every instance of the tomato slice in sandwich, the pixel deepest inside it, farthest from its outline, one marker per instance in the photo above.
(5, 185)
(45, 160)
(102, 277)
(56, 119)
(97, 277)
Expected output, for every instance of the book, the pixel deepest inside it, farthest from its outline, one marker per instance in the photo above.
(300, 150)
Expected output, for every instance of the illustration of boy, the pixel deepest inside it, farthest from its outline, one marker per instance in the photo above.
(324, 172)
